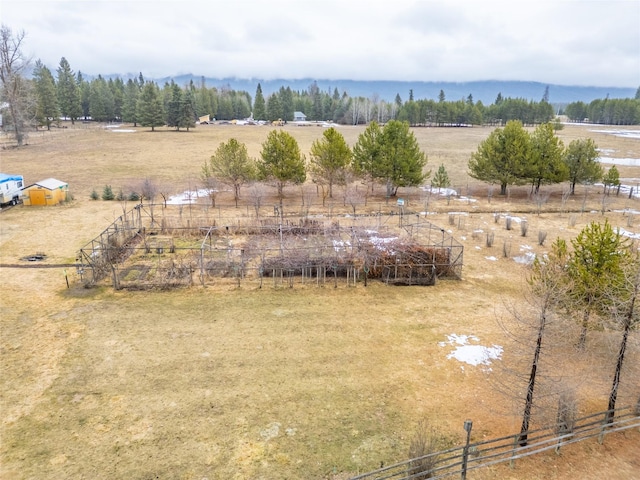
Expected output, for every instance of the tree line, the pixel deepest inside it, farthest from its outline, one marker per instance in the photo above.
(607, 111)
(389, 155)
(513, 156)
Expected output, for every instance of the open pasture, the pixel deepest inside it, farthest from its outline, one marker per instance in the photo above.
(304, 382)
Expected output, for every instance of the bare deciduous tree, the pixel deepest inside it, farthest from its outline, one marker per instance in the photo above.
(16, 88)
(256, 194)
(625, 318)
(548, 286)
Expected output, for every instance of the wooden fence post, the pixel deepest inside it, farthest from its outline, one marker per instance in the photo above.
(605, 423)
(516, 442)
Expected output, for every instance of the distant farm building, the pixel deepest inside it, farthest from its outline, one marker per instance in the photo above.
(45, 193)
(299, 117)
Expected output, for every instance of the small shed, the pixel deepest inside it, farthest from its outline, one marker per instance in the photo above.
(47, 192)
(299, 117)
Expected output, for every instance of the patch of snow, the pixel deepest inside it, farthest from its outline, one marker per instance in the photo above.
(620, 133)
(492, 258)
(476, 354)
(340, 245)
(626, 233)
(524, 248)
(627, 211)
(188, 197)
(627, 162)
(445, 192)
(467, 199)
(123, 131)
(526, 259)
(472, 354)
(606, 151)
(272, 431)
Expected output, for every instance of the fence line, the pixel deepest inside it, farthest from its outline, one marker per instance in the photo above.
(143, 249)
(472, 456)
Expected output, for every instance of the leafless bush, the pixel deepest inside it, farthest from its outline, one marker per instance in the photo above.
(542, 236)
(506, 249)
(425, 443)
(572, 221)
(508, 222)
(630, 220)
(567, 408)
(353, 197)
(540, 198)
(452, 219)
(496, 217)
(524, 228)
(566, 194)
(490, 239)
(256, 194)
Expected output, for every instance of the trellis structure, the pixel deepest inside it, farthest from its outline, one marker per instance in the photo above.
(163, 247)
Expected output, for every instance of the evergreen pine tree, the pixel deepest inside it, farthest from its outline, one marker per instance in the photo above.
(441, 178)
(259, 105)
(611, 179)
(47, 99)
(68, 92)
(150, 110)
(186, 113)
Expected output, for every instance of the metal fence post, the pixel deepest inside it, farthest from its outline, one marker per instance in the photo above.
(468, 424)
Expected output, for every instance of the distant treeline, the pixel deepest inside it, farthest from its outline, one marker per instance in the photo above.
(616, 111)
(71, 96)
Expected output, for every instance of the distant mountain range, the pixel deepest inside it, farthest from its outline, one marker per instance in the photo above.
(485, 91)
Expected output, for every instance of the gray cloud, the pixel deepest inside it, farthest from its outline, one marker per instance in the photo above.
(563, 41)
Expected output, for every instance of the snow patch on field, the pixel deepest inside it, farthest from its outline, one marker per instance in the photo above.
(188, 197)
(471, 354)
(620, 133)
(625, 233)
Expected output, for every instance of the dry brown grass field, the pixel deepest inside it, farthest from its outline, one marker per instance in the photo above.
(290, 383)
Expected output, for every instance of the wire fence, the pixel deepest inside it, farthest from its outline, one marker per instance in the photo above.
(459, 460)
(151, 247)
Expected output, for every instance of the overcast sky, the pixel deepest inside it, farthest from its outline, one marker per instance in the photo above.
(567, 42)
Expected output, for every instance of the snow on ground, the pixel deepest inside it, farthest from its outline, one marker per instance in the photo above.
(492, 258)
(526, 259)
(620, 133)
(471, 354)
(626, 162)
(188, 197)
(626, 233)
(527, 256)
(122, 130)
(444, 192)
(339, 245)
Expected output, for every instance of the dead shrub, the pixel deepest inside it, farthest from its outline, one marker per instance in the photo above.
(423, 449)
